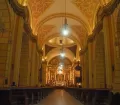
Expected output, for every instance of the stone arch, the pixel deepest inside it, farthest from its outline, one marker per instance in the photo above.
(57, 35)
(24, 61)
(100, 70)
(56, 59)
(56, 51)
(58, 15)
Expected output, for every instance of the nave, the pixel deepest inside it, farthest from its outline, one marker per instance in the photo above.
(46, 44)
(59, 97)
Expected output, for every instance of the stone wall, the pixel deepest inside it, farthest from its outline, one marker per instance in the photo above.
(5, 43)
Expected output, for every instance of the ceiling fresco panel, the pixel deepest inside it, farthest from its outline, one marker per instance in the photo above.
(38, 7)
(80, 32)
(88, 8)
(43, 33)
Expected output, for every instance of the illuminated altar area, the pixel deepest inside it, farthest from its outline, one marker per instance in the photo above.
(61, 74)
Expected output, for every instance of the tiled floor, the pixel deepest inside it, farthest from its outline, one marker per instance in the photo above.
(59, 97)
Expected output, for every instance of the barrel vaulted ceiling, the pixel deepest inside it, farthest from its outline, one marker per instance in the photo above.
(47, 18)
(44, 12)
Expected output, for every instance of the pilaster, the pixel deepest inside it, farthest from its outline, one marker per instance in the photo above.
(33, 69)
(90, 65)
(106, 29)
(18, 50)
(44, 65)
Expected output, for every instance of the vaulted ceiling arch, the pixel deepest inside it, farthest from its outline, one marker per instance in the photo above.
(56, 52)
(59, 15)
(58, 34)
(50, 30)
(43, 13)
(56, 61)
(86, 10)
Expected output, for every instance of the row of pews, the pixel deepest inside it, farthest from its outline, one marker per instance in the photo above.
(23, 96)
(95, 96)
(32, 96)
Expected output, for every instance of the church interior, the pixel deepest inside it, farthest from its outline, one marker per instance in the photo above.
(48, 44)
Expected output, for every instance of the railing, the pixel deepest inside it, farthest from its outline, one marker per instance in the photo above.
(23, 96)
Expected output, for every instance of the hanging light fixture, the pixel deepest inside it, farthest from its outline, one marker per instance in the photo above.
(60, 69)
(62, 54)
(65, 28)
(61, 64)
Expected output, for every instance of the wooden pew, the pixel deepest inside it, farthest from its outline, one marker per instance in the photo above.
(26, 96)
(89, 96)
(23, 96)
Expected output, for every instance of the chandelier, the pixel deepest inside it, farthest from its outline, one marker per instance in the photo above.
(60, 69)
(62, 53)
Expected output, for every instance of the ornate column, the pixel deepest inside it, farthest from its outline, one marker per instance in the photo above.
(90, 65)
(36, 68)
(83, 69)
(44, 65)
(19, 33)
(106, 29)
(33, 64)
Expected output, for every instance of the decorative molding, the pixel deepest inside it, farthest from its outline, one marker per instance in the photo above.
(19, 9)
(105, 11)
(84, 50)
(96, 30)
(24, 12)
(91, 38)
(108, 9)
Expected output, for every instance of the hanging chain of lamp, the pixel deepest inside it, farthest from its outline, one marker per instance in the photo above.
(65, 28)
(65, 32)
(62, 55)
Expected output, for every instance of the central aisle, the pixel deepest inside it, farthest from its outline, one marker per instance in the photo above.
(59, 97)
